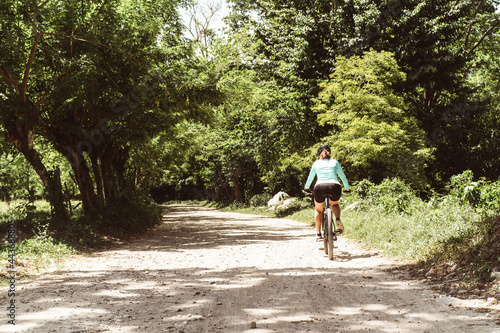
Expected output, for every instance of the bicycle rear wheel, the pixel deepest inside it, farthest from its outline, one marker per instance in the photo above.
(329, 223)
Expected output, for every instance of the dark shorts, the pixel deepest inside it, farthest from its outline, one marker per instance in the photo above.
(332, 190)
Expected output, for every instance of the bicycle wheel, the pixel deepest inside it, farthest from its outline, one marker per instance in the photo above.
(325, 231)
(330, 232)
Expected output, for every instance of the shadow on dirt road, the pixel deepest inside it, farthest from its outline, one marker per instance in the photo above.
(207, 271)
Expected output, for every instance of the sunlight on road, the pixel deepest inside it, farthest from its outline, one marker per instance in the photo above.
(208, 271)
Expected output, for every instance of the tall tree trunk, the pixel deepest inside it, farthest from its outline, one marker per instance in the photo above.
(119, 161)
(237, 190)
(21, 135)
(56, 197)
(97, 176)
(107, 174)
(222, 184)
(85, 185)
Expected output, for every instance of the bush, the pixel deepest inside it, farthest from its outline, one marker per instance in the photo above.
(490, 195)
(35, 253)
(465, 189)
(131, 212)
(363, 188)
(392, 195)
(479, 194)
(293, 205)
(260, 199)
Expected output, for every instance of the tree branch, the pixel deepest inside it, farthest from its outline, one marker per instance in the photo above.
(12, 83)
(497, 23)
(467, 34)
(33, 51)
(93, 43)
(98, 14)
(334, 6)
(469, 28)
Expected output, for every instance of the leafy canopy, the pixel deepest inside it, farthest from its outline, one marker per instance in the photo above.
(371, 127)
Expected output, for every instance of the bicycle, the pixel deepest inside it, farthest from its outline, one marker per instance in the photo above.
(328, 227)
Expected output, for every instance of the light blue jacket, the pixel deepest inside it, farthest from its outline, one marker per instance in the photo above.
(327, 171)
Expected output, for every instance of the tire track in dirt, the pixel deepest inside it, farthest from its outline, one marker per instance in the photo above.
(203, 270)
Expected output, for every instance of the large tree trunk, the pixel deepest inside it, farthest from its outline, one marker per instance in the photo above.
(119, 160)
(56, 197)
(85, 185)
(238, 193)
(20, 133)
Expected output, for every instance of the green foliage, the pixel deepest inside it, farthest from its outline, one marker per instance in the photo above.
(408, 106)
(372, 132)
(479, 194)
(460, 228)
(38, 251)
(17, 178)
(102, 81)
(259, 200)
(464, 188)
(42, 245)
(391, 195)
(129, 214)
(490, 197)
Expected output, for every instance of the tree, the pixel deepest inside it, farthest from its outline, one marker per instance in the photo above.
(21, 100)
(434, 42)
(373, 134)
(199, 26)
(93, 74)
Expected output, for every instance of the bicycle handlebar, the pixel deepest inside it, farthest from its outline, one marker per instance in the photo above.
(344, 192)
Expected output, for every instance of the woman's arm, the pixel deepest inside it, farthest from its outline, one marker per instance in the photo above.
(340, 172)
(312, 174)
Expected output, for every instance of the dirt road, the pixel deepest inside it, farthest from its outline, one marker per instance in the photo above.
(208, 271)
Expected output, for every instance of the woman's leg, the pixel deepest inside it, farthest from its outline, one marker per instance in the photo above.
(336, 212)
(335, 208)
(318, 215)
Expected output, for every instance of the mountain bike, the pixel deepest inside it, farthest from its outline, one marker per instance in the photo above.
(328, 227)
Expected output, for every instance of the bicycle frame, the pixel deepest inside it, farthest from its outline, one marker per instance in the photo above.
(329, 229)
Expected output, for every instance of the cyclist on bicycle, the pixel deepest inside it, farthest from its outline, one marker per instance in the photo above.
(327, 170)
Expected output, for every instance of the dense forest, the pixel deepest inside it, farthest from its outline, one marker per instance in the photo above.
(106, 102)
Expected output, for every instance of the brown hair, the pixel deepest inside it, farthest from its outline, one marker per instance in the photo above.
(325, 154)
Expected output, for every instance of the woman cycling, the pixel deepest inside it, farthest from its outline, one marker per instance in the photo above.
(326, 169)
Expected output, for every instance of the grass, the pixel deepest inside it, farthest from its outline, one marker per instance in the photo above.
(32, 255)
(35, 247)
(42, 241)
(412, 235)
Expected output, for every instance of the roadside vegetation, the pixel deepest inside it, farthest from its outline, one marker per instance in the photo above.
(42, 241)
(449, 236)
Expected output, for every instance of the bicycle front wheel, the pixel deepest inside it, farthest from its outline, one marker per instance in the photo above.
(325, 231)
(329, 221)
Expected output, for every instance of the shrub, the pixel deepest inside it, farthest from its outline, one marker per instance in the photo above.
(363, 188)
(129, 213)
(36, 252)
(260, 199)
(465, 189)
(293, 205)
(391, 195)
(490, 195)
(478, 194)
